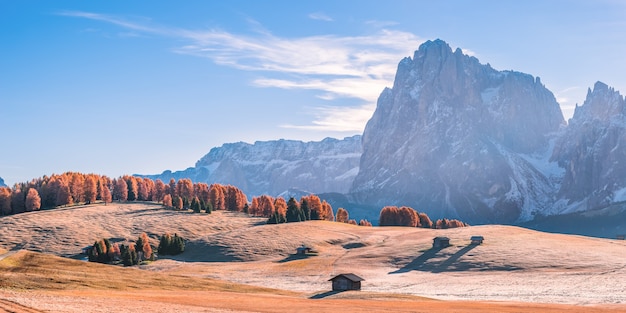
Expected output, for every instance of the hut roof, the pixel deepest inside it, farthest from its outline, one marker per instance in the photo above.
(477, 238)
(441, 238)
(349, 276)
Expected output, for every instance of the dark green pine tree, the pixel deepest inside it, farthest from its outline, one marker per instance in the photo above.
(129, 256)
(209, 207)
(195, 205)
(179, 245)
(294, 213)
(306, 211)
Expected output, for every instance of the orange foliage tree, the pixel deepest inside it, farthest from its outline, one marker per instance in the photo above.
(5, 200)
(33, 201)
(90, 189)
(342, 215)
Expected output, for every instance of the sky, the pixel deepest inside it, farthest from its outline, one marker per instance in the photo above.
(125, 87)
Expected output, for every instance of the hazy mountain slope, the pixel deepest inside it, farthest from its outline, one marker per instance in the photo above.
(457, 138)
(273, 167)
(593, 152)
(2, 184)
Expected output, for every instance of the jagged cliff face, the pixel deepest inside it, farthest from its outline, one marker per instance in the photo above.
(450, 138)
(273, 167)
(593, 151)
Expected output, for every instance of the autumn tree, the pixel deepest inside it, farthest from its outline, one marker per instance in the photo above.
(33, 201)
(327, 212)
(266, 205)
(120, 190)
(167, 201)
(172, 189)
(425, 221)
(388, 216)
(159, 191)
(63, 194)
(143, 191)
(142, 246)
(77, 186)
(365, 223)
(351, 222)
(279, 212)
(185, 189)
(5, 200)
(407, 217)
(90, 189)
(106, 195)
(342, 215)
(314, 205)
(217, 197)
(177, 202)
(18, 197)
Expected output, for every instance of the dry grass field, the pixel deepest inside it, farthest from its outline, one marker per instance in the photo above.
(234, 263)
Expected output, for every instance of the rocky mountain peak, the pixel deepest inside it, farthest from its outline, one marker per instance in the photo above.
(603, 103)
(592, 151)
(441, 140)
(2, 184)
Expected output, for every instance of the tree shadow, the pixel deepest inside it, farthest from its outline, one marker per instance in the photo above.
(293, 257)
(453, 258)
(325, 294)
(418, 262)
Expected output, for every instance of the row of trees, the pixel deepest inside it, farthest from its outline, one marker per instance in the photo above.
(103, 251)
(76, 188)
(406, 216)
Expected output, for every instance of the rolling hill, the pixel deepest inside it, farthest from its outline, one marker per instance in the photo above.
(237, 263)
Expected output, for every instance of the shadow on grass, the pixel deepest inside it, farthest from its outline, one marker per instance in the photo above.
(453, 258)
(325, 294)
(418, 262)
(293, 257)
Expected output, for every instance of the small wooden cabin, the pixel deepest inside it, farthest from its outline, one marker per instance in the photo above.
(343, 282)
(302, 250)
(440, 242)
(477, 240)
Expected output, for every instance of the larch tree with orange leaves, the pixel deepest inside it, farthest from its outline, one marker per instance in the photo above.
(33, 201)
(342, 215)
(90, 189)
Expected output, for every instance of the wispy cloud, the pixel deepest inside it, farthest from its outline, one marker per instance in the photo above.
(336, 66)
(320, 16)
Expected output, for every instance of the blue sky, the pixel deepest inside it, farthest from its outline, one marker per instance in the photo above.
(123, 87)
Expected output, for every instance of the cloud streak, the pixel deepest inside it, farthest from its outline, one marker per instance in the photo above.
(357, 67)
(320, 16)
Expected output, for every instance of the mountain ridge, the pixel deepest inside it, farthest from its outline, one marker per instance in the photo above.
(470, 142)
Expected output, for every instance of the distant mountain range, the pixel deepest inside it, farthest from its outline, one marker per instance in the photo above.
(453, 138)
(279, 166)
(2, 184)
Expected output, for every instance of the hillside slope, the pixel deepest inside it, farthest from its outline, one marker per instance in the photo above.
(514, 264)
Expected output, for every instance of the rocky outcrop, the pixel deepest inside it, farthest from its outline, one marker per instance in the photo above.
(457, 138)
(274, 167)
(593, 152)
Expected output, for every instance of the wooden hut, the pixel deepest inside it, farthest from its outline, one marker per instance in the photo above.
(440, 242)
(343, 282)
(477, 240)
(303, 250)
